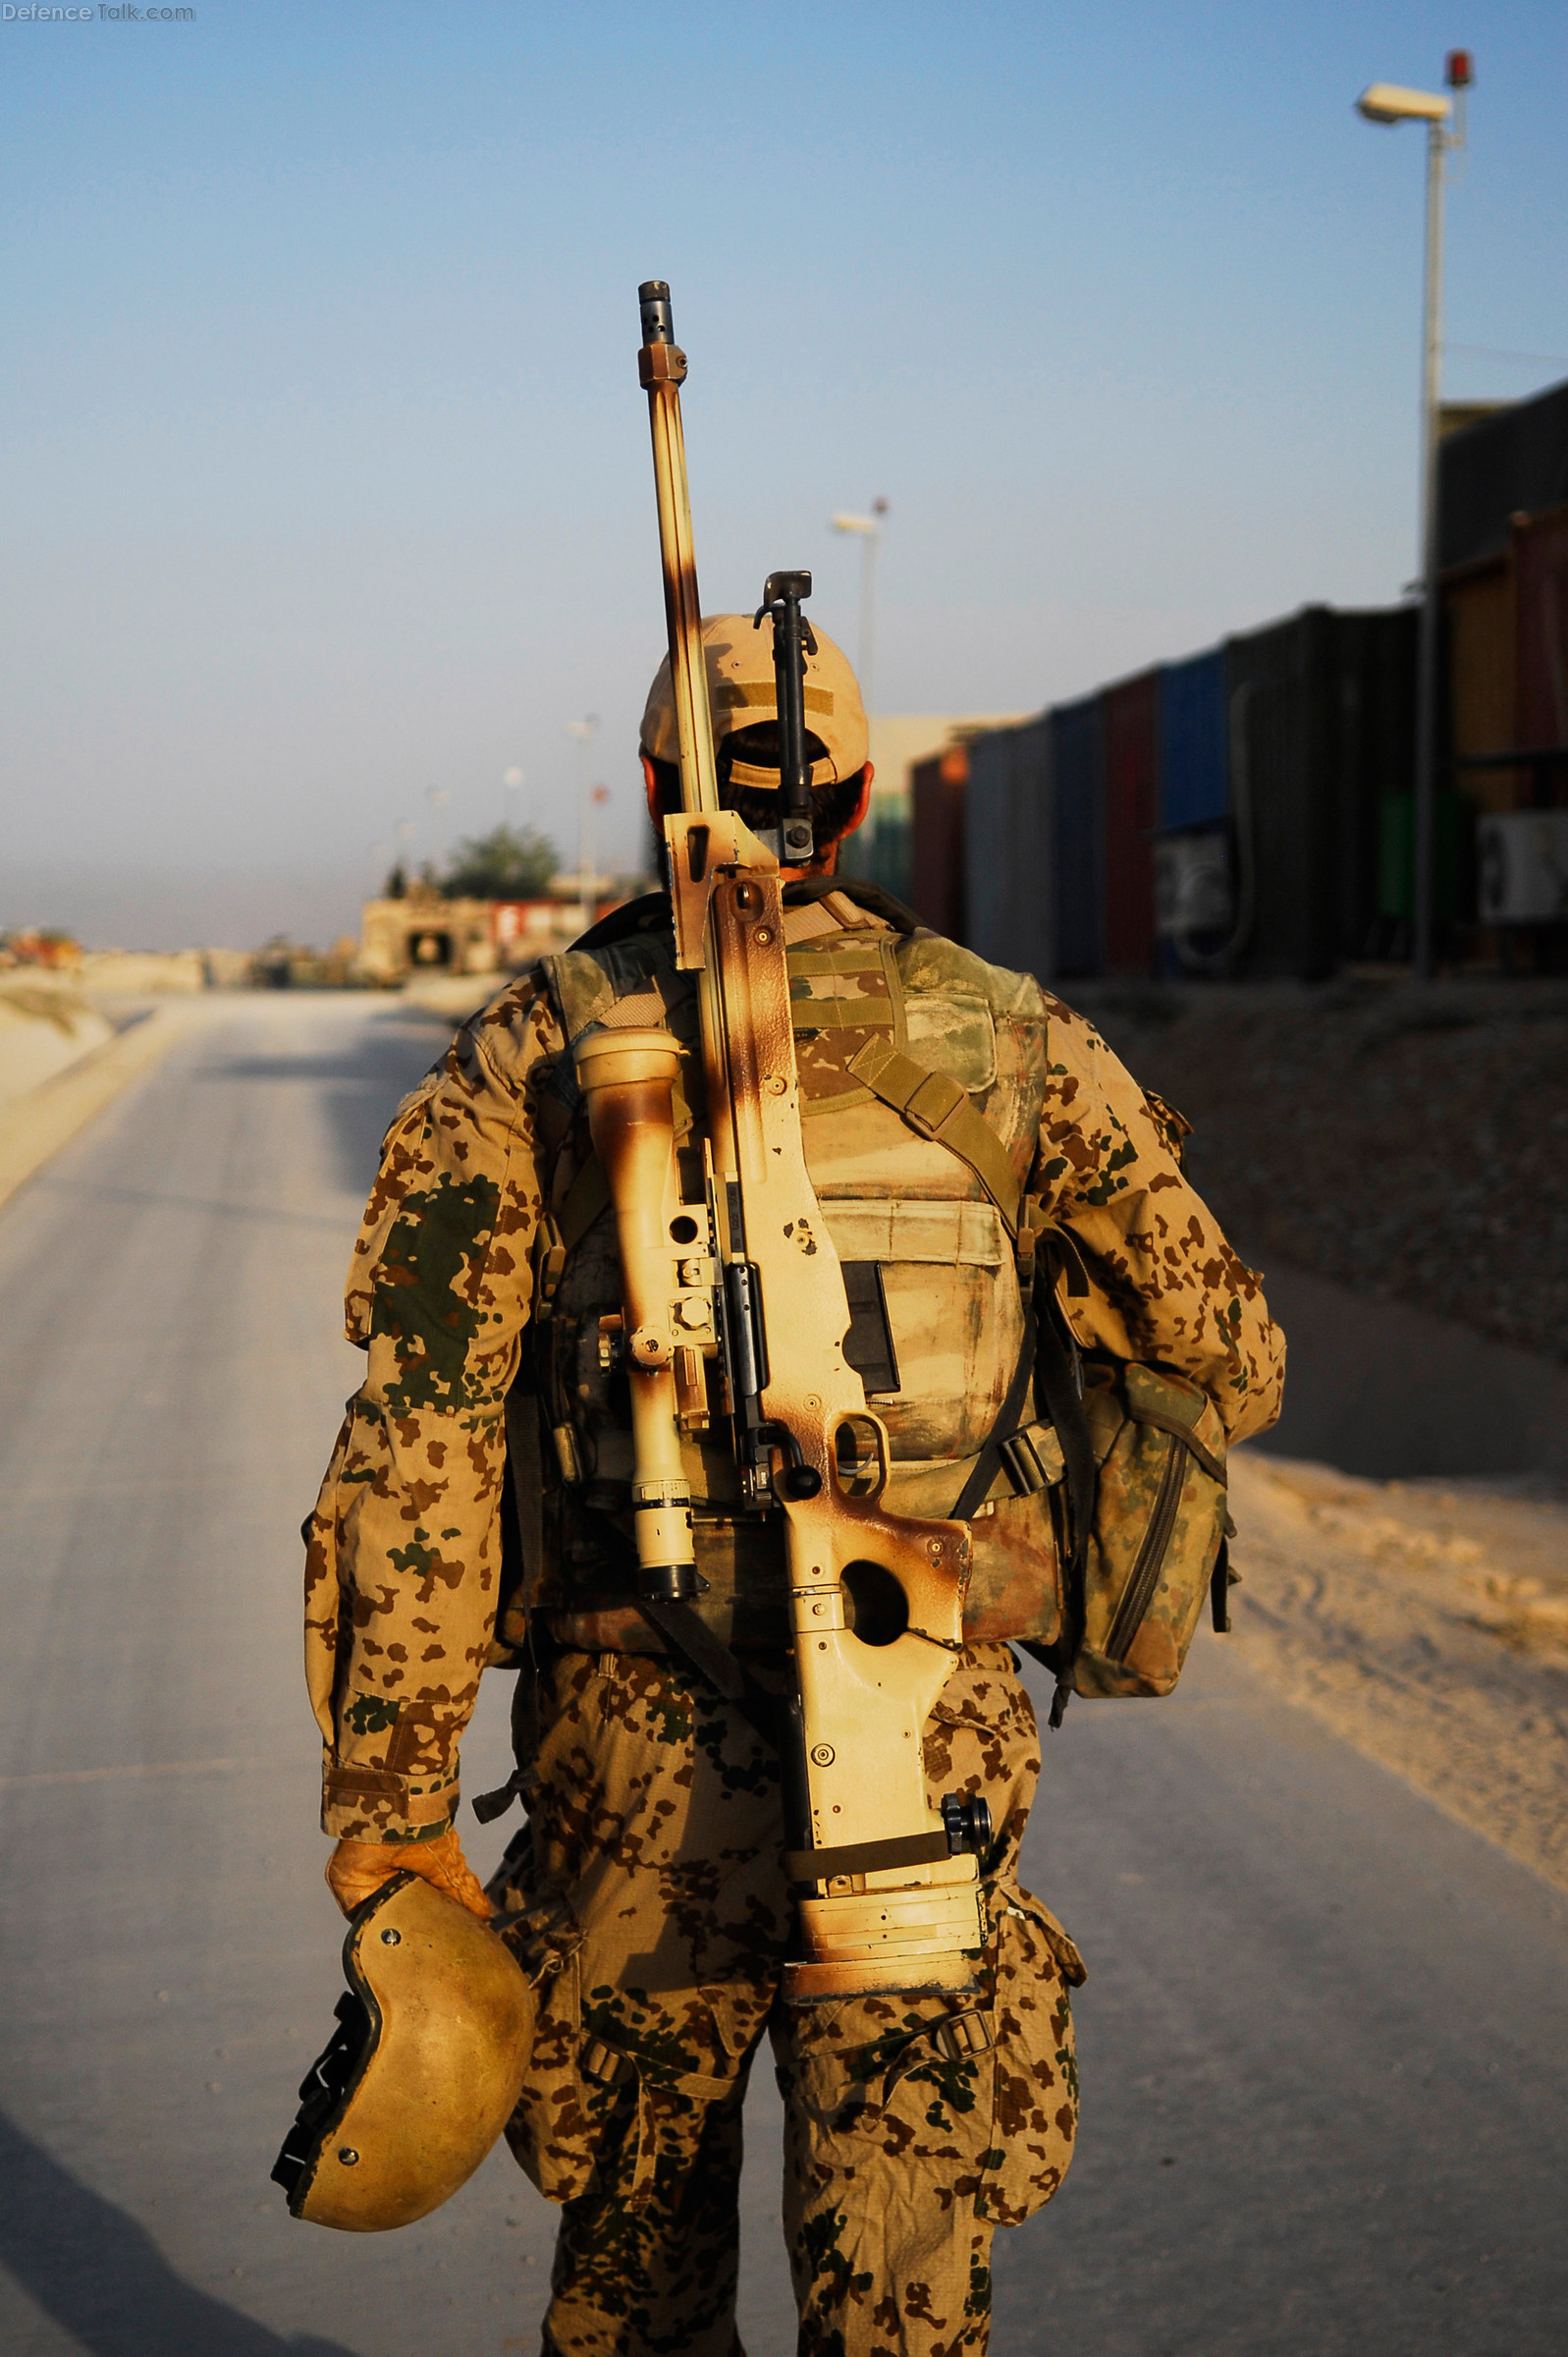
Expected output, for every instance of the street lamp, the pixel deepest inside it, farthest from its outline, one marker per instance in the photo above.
(1384, 102)
(583, 730)
(869, 530)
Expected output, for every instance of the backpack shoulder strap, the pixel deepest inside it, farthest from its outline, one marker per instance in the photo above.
(938, 1108)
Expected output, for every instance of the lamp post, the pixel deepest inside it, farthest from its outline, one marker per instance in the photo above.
(868, 528)
(582, 729)
(1386, 104)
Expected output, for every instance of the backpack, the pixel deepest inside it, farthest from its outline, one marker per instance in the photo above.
(1134, 1458)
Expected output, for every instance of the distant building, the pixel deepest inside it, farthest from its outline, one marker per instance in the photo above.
(424, 934)
(43, 945)
(421, 932)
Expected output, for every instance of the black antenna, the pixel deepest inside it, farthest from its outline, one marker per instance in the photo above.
(792, 640)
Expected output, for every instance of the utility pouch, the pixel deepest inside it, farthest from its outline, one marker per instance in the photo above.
(1138, 1489)
(1150, 1552)
(1159, 1525)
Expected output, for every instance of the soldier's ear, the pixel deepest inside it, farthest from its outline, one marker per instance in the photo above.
(651, 782)
(864, 804)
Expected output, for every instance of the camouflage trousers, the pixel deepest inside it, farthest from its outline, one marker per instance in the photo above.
(654, 1912)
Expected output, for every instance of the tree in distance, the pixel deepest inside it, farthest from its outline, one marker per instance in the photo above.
(510, 863)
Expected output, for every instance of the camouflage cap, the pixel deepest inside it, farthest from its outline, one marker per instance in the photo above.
(740, 692)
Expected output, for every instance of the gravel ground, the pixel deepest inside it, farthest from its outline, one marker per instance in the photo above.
(1411, 1144)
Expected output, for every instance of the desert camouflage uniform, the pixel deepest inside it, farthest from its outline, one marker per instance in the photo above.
(647, 1882)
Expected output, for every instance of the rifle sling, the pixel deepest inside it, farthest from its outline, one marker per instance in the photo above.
(697, 1647)
(586, 1199)
(988, 1463)
(695, 1643)
(1057, 1376)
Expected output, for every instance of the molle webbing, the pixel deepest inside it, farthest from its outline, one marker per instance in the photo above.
(939, 1108)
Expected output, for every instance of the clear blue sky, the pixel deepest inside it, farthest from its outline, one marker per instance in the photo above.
(325, 467)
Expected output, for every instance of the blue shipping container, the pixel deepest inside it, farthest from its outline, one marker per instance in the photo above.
(1008, 900)
(1078, 835)
(1193, 758)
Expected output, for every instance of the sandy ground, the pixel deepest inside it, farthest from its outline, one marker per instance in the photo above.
(1425, 1622)
(45, 1026)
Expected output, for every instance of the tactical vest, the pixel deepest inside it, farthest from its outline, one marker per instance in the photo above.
(922, 1081)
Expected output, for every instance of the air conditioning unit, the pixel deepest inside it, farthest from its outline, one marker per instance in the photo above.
(1193, 885)
(1522, 867)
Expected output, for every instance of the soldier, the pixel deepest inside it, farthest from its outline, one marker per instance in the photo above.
(477, 1514)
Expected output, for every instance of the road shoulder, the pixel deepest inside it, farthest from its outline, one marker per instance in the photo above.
(1425, 1622)
(37, 1125)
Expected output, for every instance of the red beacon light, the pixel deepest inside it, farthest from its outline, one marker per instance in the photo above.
(1459, 70)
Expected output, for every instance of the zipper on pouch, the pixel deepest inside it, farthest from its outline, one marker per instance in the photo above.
(1138, 1593)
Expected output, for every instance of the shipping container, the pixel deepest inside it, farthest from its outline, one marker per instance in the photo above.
(1479, 697)
(1372, 656)
(1454, 820)
(878, 851)
(1280, 732)
(1541, 582)
(1132, 813)
(937, 847)
(1008, 908)
(1194, 749)
(1512, 464)
(1077, 864)
(1322, 723)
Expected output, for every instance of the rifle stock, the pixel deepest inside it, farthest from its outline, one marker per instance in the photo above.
(747, 1278)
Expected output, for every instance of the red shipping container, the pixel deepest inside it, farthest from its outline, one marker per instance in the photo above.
(1541, 588)
(1132, 809)
(937, 862)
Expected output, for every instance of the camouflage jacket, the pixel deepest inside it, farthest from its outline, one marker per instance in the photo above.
(487, 1256)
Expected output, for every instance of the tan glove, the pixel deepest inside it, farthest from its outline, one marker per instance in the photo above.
(357, 1869)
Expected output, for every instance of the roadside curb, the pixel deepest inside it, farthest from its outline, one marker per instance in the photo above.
(35, 1127)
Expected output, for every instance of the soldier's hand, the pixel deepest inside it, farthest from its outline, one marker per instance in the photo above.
(356, 1870)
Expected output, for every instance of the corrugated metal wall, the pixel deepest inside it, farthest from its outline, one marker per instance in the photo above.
(936, 851)
(1193, 742)
(1321, 712)
(1132, 812)
(1278, 689)
(1078, 835)
(1009, 912)
(1541, 575)
(1478, 613)
(1373, 690)
(1513, 463)
(1285, 758)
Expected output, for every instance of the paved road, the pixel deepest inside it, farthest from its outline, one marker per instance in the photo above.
(1325, 2043)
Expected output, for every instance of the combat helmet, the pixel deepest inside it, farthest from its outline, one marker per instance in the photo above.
(423, 2071)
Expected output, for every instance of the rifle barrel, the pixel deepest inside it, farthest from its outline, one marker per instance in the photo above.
(661, 369)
